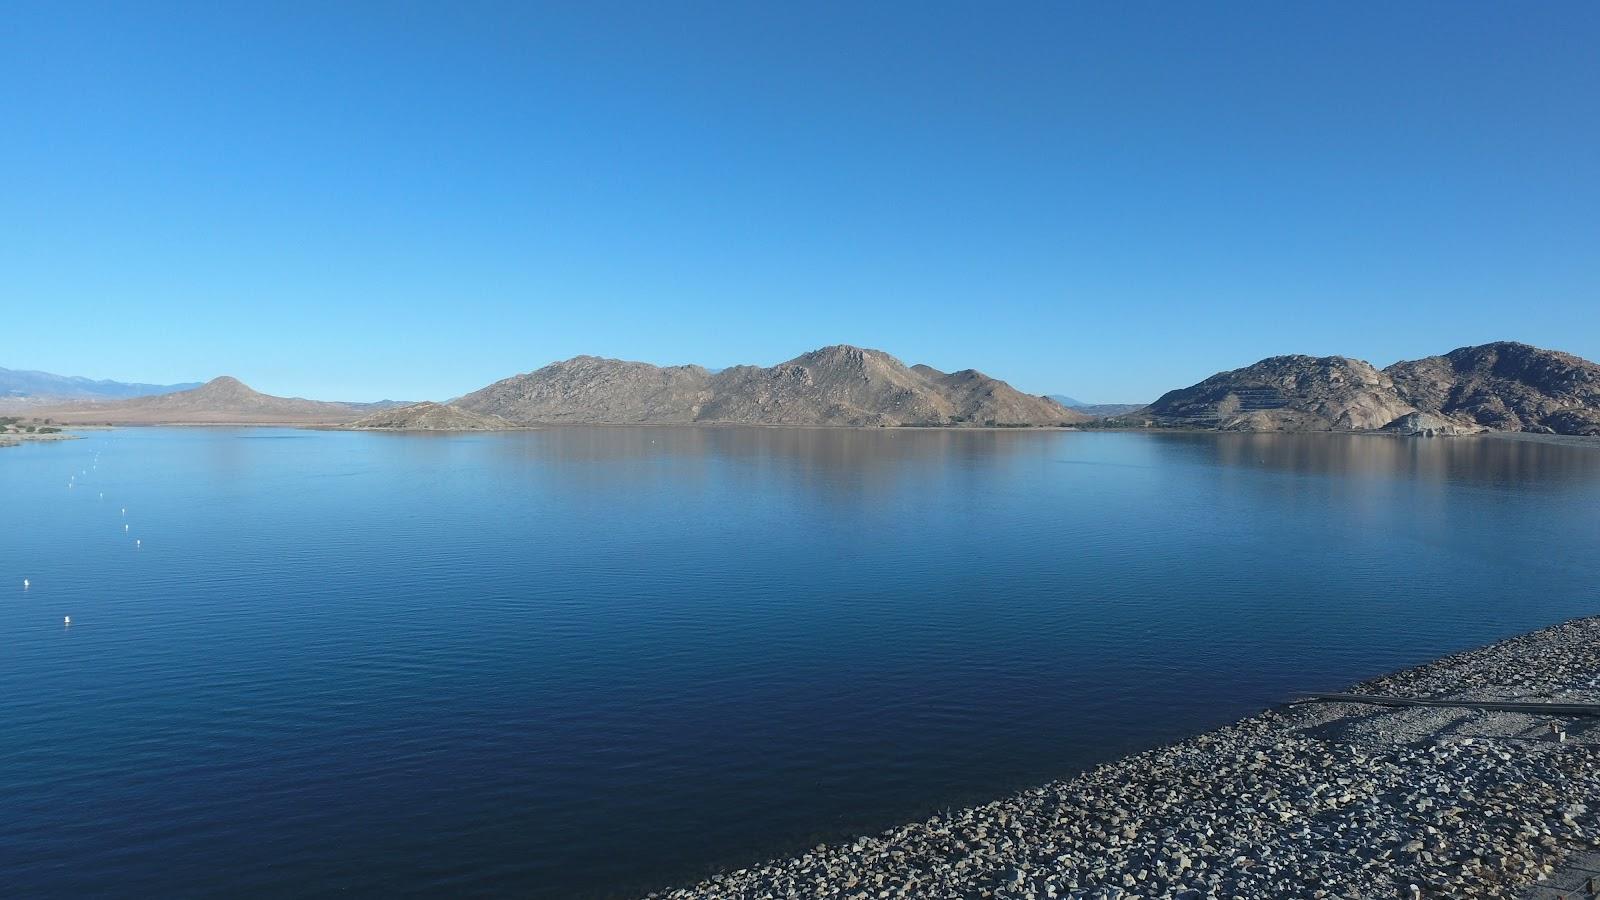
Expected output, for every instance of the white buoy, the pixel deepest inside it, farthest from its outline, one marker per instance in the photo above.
(66, 620)
(24, 584)
(136, 542)
(124, 528)
(124, 510)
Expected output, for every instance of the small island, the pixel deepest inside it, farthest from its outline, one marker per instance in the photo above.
(15, 429)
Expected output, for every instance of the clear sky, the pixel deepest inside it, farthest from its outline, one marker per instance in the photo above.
(355, 201)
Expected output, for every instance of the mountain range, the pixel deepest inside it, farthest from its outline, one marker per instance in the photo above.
(839, 385)
(1502, 386)
(20, 388)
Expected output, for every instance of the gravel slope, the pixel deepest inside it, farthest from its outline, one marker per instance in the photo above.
(1319, 800)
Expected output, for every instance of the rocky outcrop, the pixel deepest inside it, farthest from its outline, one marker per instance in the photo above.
(428, 416)
(1506, 386)
(839, 385)
(1585, 422)
(1287, 393)
(1421, 424)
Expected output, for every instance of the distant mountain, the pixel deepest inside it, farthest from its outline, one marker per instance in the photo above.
(41, 387)
(1095, 409)
(223, 400)
(428, 417)
(838, 385)
(1506, 386)
(1502, 387)
(1101, 410)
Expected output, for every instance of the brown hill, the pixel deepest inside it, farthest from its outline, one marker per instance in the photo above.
(1506, 386)
(427, 416)
(220, 401)
(839, 385)
(1287, 393)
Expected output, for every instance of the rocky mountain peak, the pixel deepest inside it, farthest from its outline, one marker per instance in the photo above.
(845, 358)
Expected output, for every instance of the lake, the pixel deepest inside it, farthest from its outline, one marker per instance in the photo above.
(600, 661)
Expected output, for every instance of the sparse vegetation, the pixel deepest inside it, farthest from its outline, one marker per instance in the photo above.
(13, 430)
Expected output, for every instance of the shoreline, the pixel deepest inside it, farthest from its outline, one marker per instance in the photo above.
(1076, 428)
(1327, 799)
(1588, 441)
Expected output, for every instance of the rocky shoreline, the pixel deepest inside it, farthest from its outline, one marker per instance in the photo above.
(1313, 800)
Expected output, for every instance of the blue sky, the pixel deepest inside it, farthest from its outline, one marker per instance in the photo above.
(412, 200)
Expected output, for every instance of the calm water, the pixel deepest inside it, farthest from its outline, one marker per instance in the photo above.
(599, 661)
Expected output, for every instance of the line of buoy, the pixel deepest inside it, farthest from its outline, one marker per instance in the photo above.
(72, 481)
